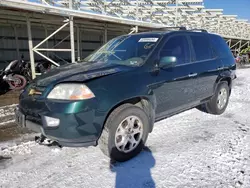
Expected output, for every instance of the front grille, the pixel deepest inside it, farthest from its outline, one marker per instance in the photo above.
(33, 119)
(31, 115)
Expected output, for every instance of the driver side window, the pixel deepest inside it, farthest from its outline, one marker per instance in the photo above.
(178, 47)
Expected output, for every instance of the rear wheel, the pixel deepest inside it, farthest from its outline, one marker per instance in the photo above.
(125, 133)
(218, 103)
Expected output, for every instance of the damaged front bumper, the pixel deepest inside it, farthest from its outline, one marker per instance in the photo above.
(64, 122)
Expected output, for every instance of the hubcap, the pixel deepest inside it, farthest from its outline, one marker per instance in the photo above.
(128, 134)
(222, 98)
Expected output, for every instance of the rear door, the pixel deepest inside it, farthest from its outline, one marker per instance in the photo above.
(174, 86)
(208, 65)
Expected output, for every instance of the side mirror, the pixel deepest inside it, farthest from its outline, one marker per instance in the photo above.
(167, 61)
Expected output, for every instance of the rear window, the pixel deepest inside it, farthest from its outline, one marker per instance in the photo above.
(220, 46)
(202, 47)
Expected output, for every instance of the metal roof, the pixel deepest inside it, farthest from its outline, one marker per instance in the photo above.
(144, 13)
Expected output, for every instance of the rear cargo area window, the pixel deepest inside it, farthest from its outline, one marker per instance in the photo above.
(220, 46)
(202, 48)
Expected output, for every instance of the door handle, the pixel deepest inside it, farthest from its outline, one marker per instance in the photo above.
(220, 68)
(192, 75)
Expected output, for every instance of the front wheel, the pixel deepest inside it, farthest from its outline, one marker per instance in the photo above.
(125, 133)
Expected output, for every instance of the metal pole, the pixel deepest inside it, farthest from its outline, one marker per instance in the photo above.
(53, 49)
(78, 44)
(240, 46)
(72, 40)
(176, 13)
(230, 41)
(105, 34)
(136, 29)
(47, 42)
(44, 56)
(32, 60)
(17, 43)
(137, 9)
(52, 34)
(235, 45)
(218, 29)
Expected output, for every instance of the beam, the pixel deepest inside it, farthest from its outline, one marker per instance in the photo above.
(51, 35)
(105, 38)
(45, 57)
(78, 44)
(47, 42)
(235, 44)
(30, 42)
(17, 42)
(72, 40)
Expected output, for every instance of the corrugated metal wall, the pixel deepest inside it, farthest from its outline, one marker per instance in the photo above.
(90, 40)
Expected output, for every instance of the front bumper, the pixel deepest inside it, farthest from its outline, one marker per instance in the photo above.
(79, 125)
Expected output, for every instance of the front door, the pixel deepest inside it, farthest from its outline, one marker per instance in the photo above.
(174, 86)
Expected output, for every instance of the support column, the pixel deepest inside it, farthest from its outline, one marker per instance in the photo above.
(137, 8)
(78, 44)
(72, 40)
(47, 42)
(218, 29)
(17, 43)
(240, 46)
(32, 60)
(176, 13)
(105, 38)
(136, 29)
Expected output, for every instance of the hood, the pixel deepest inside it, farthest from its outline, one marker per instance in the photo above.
(78, 72)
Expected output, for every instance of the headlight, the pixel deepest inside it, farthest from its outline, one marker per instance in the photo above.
(71, 92)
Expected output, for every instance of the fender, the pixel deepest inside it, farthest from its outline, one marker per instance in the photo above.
(148, 103)
(224, 76)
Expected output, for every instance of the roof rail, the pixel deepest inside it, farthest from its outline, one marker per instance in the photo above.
(202, 30)
(168, 28)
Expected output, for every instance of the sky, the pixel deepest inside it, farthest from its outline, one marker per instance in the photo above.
(235, 7)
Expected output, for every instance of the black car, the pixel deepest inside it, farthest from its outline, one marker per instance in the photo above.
(113, 97)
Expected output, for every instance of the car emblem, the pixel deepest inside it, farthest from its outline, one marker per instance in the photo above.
(34, 92)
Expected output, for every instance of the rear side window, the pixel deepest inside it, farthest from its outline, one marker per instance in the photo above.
(178, 47)
(220, 46)
(202, 47)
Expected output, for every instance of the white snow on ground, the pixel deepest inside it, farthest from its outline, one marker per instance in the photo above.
(6, 115)
(7, 110)
(7, 122)
(192, 149)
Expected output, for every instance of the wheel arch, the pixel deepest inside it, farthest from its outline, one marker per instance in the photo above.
(144, 102)
(226, 77)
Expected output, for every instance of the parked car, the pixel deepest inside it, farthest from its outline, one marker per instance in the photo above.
(114, 97)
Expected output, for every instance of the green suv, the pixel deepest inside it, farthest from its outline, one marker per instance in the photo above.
(115, 95)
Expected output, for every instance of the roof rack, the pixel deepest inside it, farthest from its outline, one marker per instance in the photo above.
(181, 28)
(202, 30)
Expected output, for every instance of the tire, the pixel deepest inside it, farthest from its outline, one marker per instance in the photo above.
(119, 117)
(213, 106)
(21, 82)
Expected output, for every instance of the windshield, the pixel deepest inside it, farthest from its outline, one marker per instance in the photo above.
(130, 50)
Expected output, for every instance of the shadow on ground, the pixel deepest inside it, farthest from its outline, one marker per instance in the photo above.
(135, 173)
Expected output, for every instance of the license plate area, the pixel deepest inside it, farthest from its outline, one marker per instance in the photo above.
(19, 118)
